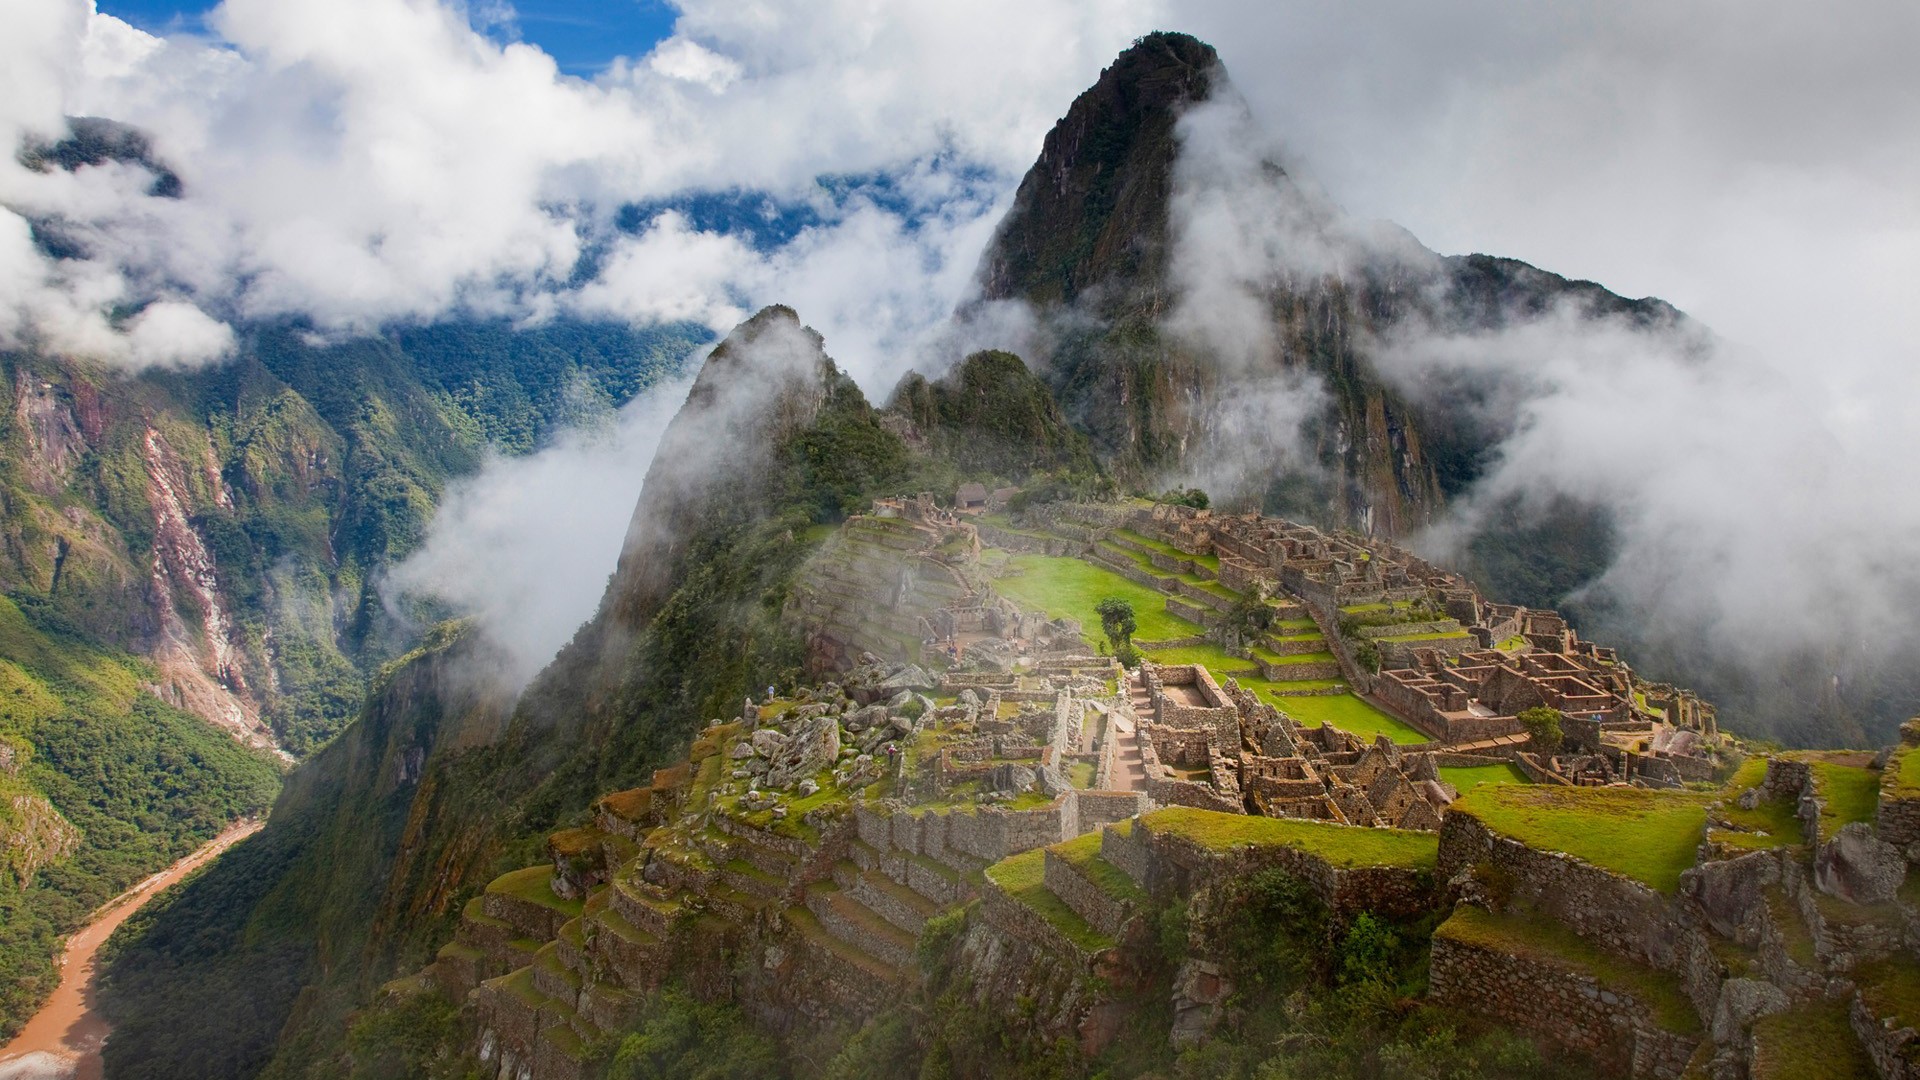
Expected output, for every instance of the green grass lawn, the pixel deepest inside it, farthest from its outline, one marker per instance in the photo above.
(1023, 876)
(1072, 589)
(1435, 636)
(1341, 845)
(1519, 641)
(1212, 562)
(1546, 941)
(1350, 713)
(1216, 659)
(1770, 824)
(1906, 770)
(1852, 793)
(1294, 624)
(1465, 777)
(1649, 836)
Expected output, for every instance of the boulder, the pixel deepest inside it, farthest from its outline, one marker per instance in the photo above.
(1010, 777)
(812, 748)
(1858, 866)
(1742, 1001)
(768, 743)
(911, 677)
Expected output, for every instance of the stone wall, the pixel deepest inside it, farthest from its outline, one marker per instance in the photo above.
(1176, 867)
(1558, 1003)
(1103, 912)
(1615, 912)
(1898, 819)
(1093, 809)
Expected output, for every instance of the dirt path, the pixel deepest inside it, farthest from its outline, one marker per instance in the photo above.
(62, 1041)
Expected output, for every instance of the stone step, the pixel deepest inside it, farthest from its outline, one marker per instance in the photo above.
(745, 877)
(886, 897)
(856, 924)
(828, 945)
(638, 960)
(643, 910)
(552, 977)
(571, 947)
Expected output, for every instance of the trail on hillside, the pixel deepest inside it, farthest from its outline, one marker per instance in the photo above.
(62, 1041)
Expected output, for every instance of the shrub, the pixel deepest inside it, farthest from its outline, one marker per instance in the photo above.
(1543, 726)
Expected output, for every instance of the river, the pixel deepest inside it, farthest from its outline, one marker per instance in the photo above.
(62, 1041)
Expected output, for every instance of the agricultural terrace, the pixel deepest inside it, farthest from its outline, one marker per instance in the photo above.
(1350, 713)
(1650, 836)
(1463, 777)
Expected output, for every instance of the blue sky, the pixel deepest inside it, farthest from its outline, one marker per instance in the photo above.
(582, 36)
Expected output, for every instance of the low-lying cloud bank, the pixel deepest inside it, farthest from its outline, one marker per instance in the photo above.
(526, 544)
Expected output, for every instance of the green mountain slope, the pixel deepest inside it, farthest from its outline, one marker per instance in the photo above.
(101, 784)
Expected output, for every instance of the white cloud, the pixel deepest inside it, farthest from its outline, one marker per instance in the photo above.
(526, 544)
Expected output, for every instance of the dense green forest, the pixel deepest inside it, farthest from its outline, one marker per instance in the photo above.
(141, 781)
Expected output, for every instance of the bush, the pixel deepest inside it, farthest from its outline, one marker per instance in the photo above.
(1193, 497)
(1543, 726)
(1117, 619)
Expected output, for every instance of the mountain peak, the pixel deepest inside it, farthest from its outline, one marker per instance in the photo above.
(1107, 169)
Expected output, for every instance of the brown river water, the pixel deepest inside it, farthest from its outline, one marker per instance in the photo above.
(62, 1041)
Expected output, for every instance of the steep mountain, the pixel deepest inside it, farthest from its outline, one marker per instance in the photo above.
(380, 839)
(1115, 236)
(991, 418)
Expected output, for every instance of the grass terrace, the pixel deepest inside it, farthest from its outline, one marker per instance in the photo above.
(1214, 658)
(1852, 793)
(1072, 589)
(1770, 824)
(1271, 691)
(1083, 854)
(534, 885)
(1905, 767)
(1810, 1042)
(1276, 659)
(1649, 836)
(1546, 941)
(1349, 712)
(1519, 641)
(1023, 877)
(1465, 777)
(1439, 635)
(1210, 561)
(1344, 846)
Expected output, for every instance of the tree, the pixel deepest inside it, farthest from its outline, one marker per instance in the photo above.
(1116, 618)
(1543, 725)
(1193, 497)
(1249, 617)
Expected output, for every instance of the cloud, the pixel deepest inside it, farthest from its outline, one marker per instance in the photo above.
(364, 161)
(526, 544)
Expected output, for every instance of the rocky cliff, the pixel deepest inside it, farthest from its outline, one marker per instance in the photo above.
(1132, 234)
